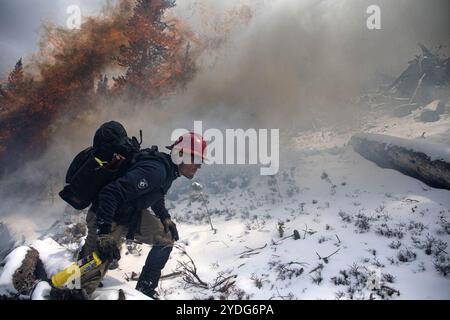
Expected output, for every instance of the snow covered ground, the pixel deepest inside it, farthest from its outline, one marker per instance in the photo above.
(388, 232)
(361, 232)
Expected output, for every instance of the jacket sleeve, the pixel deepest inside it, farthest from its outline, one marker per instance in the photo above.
(159, 208)
(144, 178)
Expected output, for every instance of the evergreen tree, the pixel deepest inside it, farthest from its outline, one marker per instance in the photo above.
(15, 78)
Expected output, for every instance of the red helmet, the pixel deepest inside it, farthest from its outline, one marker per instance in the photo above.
(189, 144)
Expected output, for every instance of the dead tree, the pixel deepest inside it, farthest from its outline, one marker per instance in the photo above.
(394, 153)
(427, 78)
(189, 271)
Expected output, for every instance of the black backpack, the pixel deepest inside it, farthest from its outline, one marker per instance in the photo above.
(89, 173)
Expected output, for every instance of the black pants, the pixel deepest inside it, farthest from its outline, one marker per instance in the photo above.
(151, 272)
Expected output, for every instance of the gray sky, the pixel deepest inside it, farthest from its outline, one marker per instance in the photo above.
(405, 22)
(20, 22)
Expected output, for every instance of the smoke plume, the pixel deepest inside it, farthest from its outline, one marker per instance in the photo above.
(282, 64)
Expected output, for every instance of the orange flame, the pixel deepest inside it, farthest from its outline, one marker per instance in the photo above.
(62, 81)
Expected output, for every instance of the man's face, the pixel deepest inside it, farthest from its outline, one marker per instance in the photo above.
(189, 170)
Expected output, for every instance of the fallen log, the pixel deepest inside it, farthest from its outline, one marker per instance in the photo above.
(428, 162)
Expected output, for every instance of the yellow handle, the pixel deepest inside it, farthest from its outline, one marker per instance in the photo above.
(60, 279)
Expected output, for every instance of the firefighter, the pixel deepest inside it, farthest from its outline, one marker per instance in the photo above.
(122, 209)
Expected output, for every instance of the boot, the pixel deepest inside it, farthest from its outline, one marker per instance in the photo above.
(147, 288)
(151, 272)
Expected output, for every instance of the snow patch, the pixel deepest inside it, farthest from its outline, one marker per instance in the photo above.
(41, 291)
(54, 256)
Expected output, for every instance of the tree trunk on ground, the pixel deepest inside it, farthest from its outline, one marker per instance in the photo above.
(435, 173)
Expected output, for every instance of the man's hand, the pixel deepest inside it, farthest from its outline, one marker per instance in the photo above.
(169, 225)
(108, 248)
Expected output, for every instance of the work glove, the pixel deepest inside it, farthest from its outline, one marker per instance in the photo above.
(108, 248)
(169, 225)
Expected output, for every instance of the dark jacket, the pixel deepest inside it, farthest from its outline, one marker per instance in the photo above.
(144, 185)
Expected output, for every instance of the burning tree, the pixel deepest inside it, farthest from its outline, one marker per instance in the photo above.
(14, 87)
(15, 79)
(157, 59)
(154, 53)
